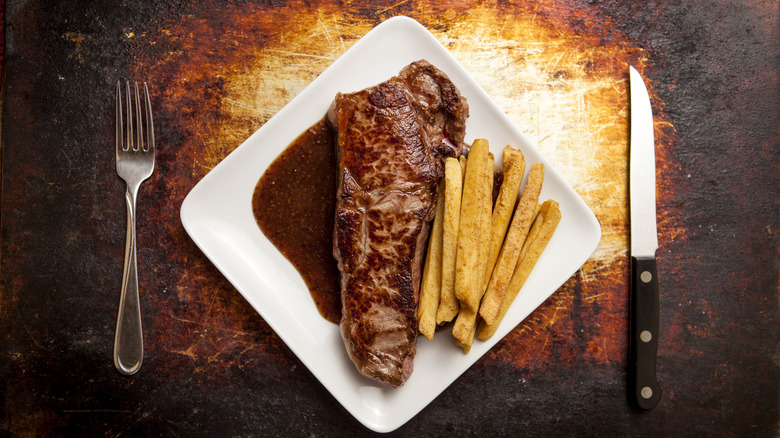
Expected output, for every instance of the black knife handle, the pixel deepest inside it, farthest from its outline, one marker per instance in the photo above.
(643, 343)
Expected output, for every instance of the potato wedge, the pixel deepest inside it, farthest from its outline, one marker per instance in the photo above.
(453, 189)
(430, 292)
(542, 231)
(510, 251)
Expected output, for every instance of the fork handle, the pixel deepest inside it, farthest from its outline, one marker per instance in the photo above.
(129, 341)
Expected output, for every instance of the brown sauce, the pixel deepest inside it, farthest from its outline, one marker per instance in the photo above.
(294, 204)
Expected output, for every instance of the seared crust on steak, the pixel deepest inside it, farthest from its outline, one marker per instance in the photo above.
(391, 143)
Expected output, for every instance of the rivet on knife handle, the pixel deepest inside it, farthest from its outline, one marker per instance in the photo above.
(644, 333)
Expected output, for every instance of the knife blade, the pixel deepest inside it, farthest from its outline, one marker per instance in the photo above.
(643, 342)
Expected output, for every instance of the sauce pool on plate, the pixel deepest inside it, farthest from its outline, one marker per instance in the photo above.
(294, 204)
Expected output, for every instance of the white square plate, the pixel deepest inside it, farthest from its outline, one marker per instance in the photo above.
(217, 214)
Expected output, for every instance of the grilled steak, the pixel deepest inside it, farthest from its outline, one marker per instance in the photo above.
(391, 142)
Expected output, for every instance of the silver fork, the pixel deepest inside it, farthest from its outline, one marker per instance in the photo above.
(134, 164)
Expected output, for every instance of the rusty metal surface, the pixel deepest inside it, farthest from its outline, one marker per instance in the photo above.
(219, 69)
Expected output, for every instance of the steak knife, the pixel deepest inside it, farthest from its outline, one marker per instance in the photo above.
(643, 342)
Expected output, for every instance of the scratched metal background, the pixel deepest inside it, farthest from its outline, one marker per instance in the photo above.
(220, 69)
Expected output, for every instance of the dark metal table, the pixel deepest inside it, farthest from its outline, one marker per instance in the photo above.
(219, 70)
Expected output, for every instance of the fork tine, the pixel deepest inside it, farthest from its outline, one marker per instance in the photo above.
(118, 116)
(139, 140)
(149, 122)
(128, 100)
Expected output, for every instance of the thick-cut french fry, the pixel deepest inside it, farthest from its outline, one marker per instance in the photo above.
(453, 186)
(466, 324)
(542, 231)
(507, 155)
(536, 213)
(431, 281)
(468, 276)
(510, 252)
(484, 250)
(514, 169)
(464, 328)
(462, 161)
